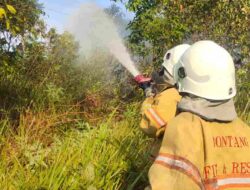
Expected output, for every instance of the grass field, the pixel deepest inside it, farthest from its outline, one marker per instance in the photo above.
(41, 155)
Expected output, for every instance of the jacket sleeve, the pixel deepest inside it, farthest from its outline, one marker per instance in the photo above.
(180, 162)
(151, 123)
(157, 111)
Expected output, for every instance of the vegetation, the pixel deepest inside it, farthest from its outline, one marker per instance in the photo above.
(165, 23)
(40, 155)
(69, 123)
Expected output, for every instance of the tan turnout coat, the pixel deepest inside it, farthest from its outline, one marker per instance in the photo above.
(198, 154)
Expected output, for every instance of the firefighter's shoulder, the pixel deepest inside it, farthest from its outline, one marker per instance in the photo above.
(170, 93)
(185, 124)
(185, 121)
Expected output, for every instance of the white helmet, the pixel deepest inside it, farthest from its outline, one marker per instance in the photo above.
(206, 70)
(172, 57)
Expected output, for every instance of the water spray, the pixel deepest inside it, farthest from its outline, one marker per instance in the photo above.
(94, 29)
(118, 49)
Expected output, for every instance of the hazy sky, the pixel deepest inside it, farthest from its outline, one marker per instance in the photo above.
(57, 11)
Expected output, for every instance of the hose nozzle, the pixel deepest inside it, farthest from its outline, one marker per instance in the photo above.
(145, 84)
(141, 79)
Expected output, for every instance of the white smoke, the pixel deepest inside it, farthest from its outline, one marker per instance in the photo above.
(94, 29)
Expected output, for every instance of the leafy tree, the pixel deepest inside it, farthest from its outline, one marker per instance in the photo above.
(19, 19)
(20, 27)
(34, 63)
(4, 14)
(159, 25)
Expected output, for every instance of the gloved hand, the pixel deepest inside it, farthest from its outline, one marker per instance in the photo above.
(145, 84)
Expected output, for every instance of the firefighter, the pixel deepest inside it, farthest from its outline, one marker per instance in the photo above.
(157, 110)
(206, 146)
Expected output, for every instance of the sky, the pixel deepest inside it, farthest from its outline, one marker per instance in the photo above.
(58, 11)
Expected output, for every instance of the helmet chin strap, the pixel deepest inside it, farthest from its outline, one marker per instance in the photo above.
(168, 78)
